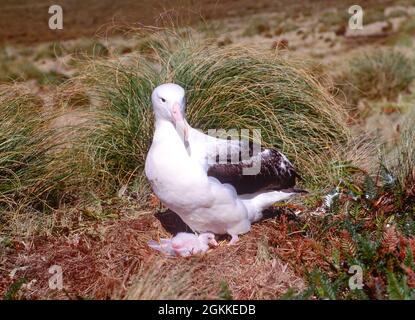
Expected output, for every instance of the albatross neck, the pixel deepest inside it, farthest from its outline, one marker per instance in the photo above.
(165, 130)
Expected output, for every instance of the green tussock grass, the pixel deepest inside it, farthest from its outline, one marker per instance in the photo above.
(400, 40)
(16, 68)
(158, 284)
(404, 36)
(31, 173)
(401, 159)
(398, 12)
(226, 88)
(377, 74)
(408, 27)
(79, 48)
(285, 27)
(332, 18)
(257, 26)
(375, 14)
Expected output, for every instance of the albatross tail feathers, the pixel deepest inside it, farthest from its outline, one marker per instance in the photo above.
(264, 200)
(293, 190)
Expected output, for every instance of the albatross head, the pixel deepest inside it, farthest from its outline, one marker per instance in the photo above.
(169, 104)
(208, 238)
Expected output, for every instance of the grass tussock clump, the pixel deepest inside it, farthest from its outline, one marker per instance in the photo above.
(14, 68)
(159, 283)
(377, 74)
(79, 48)
(226, 88)
(30, 172)
(401, 159)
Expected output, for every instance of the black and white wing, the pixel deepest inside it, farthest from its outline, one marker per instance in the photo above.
(274, 172)
(247, 167)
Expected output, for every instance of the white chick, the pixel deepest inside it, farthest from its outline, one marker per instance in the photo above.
(185, 244)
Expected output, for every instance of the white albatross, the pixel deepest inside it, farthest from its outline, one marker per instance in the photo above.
(208, 196)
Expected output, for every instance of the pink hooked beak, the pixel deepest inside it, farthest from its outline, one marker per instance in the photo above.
(180, 123)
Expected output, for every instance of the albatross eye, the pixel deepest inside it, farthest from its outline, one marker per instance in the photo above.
(163, 100)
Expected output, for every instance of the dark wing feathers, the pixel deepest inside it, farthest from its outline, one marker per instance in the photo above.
(276, 173)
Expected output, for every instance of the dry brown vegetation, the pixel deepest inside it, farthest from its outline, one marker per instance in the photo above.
(111, 259)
